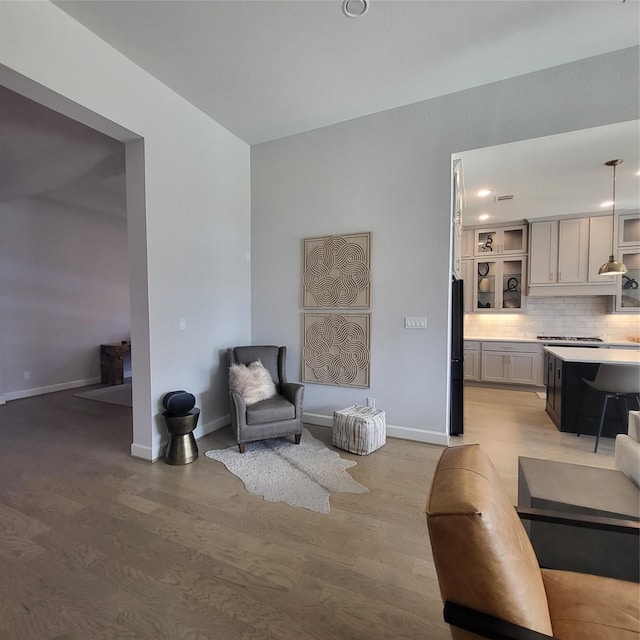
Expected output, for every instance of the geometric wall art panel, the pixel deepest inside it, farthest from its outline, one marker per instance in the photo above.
(337, 272)
(337, 349)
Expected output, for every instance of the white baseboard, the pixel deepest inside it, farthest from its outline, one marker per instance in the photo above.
(212, 426)
(418, 435)
(405, 433)
(316, 418)
(144, 452)
(52, 388)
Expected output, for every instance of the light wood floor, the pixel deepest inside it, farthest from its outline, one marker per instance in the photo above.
(97, 545)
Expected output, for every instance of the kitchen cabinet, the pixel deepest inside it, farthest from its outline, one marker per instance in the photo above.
(512, 363)
(600, 234)
(565, 255)
(553, 381)
(498, 284)
(472, 360)
(573, 250)
(468, 243)
(629, 230)
(543, 252)
(627, 298)
(467, 268)
(566, 391)
(559, 251)
(500, 240)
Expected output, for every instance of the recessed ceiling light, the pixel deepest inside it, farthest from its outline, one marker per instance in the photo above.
(483, 193)
(355, 8)
(484, 216)
(607, 203)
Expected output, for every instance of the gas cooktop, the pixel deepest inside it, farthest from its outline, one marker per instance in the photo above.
(571, 338)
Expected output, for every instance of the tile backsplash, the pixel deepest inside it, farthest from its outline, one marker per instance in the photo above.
(570, 316)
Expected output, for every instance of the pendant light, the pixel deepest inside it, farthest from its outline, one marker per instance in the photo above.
(613, 267)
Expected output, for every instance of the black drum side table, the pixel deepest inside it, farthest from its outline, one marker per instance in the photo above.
(182, 447)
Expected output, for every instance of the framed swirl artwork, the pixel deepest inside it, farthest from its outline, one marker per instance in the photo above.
(337, 272)
(337, 348)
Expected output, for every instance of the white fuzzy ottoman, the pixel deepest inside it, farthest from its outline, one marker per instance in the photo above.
(359, 429)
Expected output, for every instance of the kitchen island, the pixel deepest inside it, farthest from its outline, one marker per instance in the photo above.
(570, 402)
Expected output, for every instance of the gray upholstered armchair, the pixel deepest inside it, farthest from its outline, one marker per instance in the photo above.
(280, 415)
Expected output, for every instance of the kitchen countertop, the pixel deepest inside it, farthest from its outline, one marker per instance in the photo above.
(595, 356)
(572, 343)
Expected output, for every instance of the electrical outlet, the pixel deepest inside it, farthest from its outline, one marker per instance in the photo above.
(371, 402)
(27, 375)
(415, 322)
(182, 323)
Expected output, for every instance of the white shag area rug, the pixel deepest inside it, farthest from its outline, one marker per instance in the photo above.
(301, 475)
(115, 394)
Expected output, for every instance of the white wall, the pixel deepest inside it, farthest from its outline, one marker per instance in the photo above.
(389, 173)
(64, 286)
(188, 199)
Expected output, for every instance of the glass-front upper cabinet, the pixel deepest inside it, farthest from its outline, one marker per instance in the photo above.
(629, 230)
(628, 297)
(499, 284)
(501, 240)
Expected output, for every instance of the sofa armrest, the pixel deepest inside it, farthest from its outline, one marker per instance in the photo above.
(487, 626)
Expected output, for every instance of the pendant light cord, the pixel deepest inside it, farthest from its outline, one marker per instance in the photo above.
(613, 205)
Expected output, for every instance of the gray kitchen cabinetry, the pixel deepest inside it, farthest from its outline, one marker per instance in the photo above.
(472, 351)
(627, 298)
(499, 241)
(468, 243)
(629, 230)
(467, 273)
(512, 363)
(499, 284)
(565, 255)
(497, 280)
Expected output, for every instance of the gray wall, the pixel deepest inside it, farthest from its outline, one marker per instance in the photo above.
(64, 287)
(390, 173)
(188, 208)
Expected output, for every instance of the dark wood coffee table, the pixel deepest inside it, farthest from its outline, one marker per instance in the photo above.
(579, 489)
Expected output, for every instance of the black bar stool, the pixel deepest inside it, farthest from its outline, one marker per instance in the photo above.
(615, 382)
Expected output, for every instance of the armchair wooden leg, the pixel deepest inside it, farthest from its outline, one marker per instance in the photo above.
(242, 446)
(297, 437)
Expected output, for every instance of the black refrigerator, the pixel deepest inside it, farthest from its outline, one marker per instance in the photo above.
(456, 395)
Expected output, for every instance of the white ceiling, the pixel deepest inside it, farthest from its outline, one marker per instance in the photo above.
(555, 175)
(265, 69)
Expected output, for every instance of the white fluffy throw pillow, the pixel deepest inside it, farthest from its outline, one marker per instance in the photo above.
(253, 382)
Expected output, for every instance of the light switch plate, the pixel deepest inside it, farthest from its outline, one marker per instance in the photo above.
(415, 322)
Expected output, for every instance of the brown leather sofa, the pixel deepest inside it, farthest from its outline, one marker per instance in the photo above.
(489, 575)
